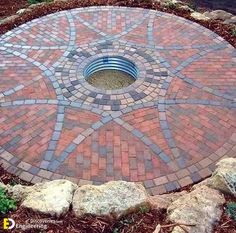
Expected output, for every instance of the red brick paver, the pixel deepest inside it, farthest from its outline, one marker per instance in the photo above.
(166, 130)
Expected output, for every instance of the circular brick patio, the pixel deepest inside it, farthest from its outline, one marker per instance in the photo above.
(166, 130)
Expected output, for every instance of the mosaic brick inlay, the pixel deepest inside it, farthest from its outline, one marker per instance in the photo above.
(166, 130)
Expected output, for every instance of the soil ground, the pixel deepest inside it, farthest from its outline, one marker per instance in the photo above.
(8, 7)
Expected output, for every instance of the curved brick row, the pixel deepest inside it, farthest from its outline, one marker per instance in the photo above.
(166, 130)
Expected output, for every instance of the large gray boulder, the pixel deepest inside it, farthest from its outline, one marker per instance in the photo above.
(218, 14)
(201, 207)
(8, 19)
(187, 8)
(199, 16)
(164, 200)
(53, 197)
(115, 198)
(224, 177)
(232, 20)
(19, 192)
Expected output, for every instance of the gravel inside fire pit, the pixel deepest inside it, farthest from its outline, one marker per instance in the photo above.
(110, 79)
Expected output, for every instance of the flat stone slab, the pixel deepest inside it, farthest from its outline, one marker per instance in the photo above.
(166, 130)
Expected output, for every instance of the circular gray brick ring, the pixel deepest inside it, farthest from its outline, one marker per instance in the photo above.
(165, 130)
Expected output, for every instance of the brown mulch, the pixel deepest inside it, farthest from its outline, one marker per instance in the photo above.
(8, 7)
(223, 30)
(133, 223)
(226, 224)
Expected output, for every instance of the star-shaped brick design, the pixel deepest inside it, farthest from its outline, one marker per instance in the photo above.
(166, 130)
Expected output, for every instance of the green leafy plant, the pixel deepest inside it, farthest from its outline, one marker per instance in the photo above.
(231, 210)
(234, 32)
(170, 5)
(38, 1)
(144, 209)
(6, 203)
(115, 230)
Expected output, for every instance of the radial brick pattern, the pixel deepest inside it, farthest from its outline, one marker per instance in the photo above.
(166, 130)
